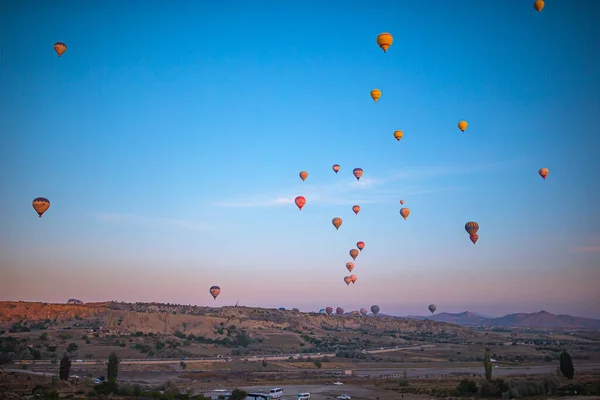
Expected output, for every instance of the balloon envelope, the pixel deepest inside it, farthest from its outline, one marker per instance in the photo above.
(543, 172)
(40, 205)
(353, 254)
(462, 125)
(356, 209)
(405, 212)
(350, 266)
(376, 95)
(398, 135)
(336, 168)
(60, 48)
(375, 309)
(300, 201)
(328, 310)
(432, 308)
(215, 291)
(538, 5)
(360, 245)
(384, 41)
(303, 175)
(337, 222)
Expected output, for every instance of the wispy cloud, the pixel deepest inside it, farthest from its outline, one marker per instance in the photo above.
(148, 220)
(366, 190)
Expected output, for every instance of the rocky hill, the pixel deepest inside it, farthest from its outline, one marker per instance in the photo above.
(542, 319)
(168, 319)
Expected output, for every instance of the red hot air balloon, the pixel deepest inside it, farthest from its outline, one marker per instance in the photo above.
(300, 202)
(360, 245)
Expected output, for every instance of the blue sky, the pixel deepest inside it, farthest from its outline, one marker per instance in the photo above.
(169, 139)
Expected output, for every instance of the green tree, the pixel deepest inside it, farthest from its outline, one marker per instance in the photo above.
(566, 365)
(487, 364)
(65, 368)
(318, 364)
(113, 368)
(238, 394)
(72, 347)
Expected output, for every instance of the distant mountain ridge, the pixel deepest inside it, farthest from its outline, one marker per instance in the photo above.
(541, 319)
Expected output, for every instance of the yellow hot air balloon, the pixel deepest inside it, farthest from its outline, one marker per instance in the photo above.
(303, 175)
(405, 212)
(538, 5)
(337, 222)
(40, 205)
(384, 40)
(375, 94)
(353, 254)
(60, 48)
(398, 135)
(462, 125)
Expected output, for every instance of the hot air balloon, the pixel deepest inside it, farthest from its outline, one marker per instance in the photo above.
(471, 227)
(353, 278)
(543, 172)
(384, 40)
(474, 238)
(432, 308)
(60, 48)
(281, 308)
(295, 309)
(328, 310)
(347, 279)
(375, 94)
(375, 309)
(337, 222)
(336, 168)
(402, 202)
(538, 5)
(356, 209)
(300, 202)
(358, 172)
(462, 125)
(364, 312)
(398, 135)
(353, 254)
(405, 212)
(214, 291)
(40, 205)
(339, 311)
(322, 311)
(350, 266)
(360, 245)
(303, 175)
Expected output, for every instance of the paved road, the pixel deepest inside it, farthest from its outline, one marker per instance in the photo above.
(272, 357)
(163, 376)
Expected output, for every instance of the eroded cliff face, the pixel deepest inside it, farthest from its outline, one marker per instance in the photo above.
(206, 321)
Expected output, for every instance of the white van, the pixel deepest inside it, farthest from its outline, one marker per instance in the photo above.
(276, 393)
(303, 396)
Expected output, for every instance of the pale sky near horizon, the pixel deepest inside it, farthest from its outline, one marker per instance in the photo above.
(169, 139)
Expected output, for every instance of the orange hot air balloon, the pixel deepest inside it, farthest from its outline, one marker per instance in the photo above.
(402, 202)
(353, 254)
(350, 266)
(375, 94)
(384, 40)
(543, 172)
(358, 172)
(40, 205)
(538, 5)
(474, 238)
(300, 202)
(337, 222)
(405, 212)
(360, 245)
(398, 135)
(347, 279)
(303, 175)
(472, 227)
(214, 291)
(356, 209)
(336, 168)
(60, 48)
(354, 278)
(462, 125)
